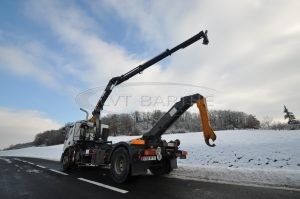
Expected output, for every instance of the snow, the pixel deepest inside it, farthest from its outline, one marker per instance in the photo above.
(49, 152)
(241, 156)
(247, 149)
(244, 176)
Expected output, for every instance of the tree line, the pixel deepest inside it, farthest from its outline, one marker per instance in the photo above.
(137, 123)
(46, 138)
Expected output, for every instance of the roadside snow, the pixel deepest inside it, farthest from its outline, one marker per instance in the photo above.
(257, 149)
(240, 156)
(267, 177)
(49, 152)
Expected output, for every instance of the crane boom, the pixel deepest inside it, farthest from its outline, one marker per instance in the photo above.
(120, 79)
(179, 108)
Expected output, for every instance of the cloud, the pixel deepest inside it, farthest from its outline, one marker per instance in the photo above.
(19, 126)
(252, 56)
(32, 59)
(97, 60)
(253, 53)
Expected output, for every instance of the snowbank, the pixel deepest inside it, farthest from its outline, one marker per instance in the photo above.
(241, 156)
(266, 177)
(48, 153)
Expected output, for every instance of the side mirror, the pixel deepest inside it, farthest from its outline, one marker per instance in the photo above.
(65, 133)
(82, 133)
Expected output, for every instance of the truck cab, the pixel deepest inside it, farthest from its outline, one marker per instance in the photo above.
(81, 136)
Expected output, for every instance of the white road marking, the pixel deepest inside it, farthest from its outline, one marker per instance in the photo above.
(6, 160)
(16, 165)
(62, 173)
(40, 166)
(17, 159)
(30, 163)
(33, 171)
(103, 185)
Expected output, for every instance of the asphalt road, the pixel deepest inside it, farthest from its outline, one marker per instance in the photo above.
(36, 178)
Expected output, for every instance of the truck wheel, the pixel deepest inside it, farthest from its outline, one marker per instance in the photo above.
(120, 165)
(66, 161)
(164, 168)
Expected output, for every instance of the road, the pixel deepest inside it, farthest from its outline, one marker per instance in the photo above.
(36, 178)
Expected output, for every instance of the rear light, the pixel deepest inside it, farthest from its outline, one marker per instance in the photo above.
(184, 153)
(150, 152)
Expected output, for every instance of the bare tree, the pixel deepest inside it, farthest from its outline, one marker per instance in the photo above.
(266, 122)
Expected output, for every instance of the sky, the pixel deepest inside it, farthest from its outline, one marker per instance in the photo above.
(57, 56)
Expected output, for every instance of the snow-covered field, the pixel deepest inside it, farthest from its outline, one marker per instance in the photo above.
(241, 156)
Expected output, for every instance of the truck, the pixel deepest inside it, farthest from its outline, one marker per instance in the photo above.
(86, 142)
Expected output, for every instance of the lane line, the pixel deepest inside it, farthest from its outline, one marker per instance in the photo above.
(40, 166)
(30, 163)
(6, 160)
(62, 173)
(103, 185)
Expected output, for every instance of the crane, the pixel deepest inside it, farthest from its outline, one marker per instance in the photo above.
(86, 140)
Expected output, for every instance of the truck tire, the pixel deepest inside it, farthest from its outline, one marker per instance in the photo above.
(164, 168)
(66, 161)
(120, 165)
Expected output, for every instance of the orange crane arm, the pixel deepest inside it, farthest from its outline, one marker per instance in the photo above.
(207, 130)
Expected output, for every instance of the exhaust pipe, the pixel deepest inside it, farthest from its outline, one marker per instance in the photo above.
(86, 112)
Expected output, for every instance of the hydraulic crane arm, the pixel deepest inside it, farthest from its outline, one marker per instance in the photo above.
(175, 112)
(139, 69)
(207, 130)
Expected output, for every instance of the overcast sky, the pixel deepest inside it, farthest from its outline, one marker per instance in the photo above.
(52, 51)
